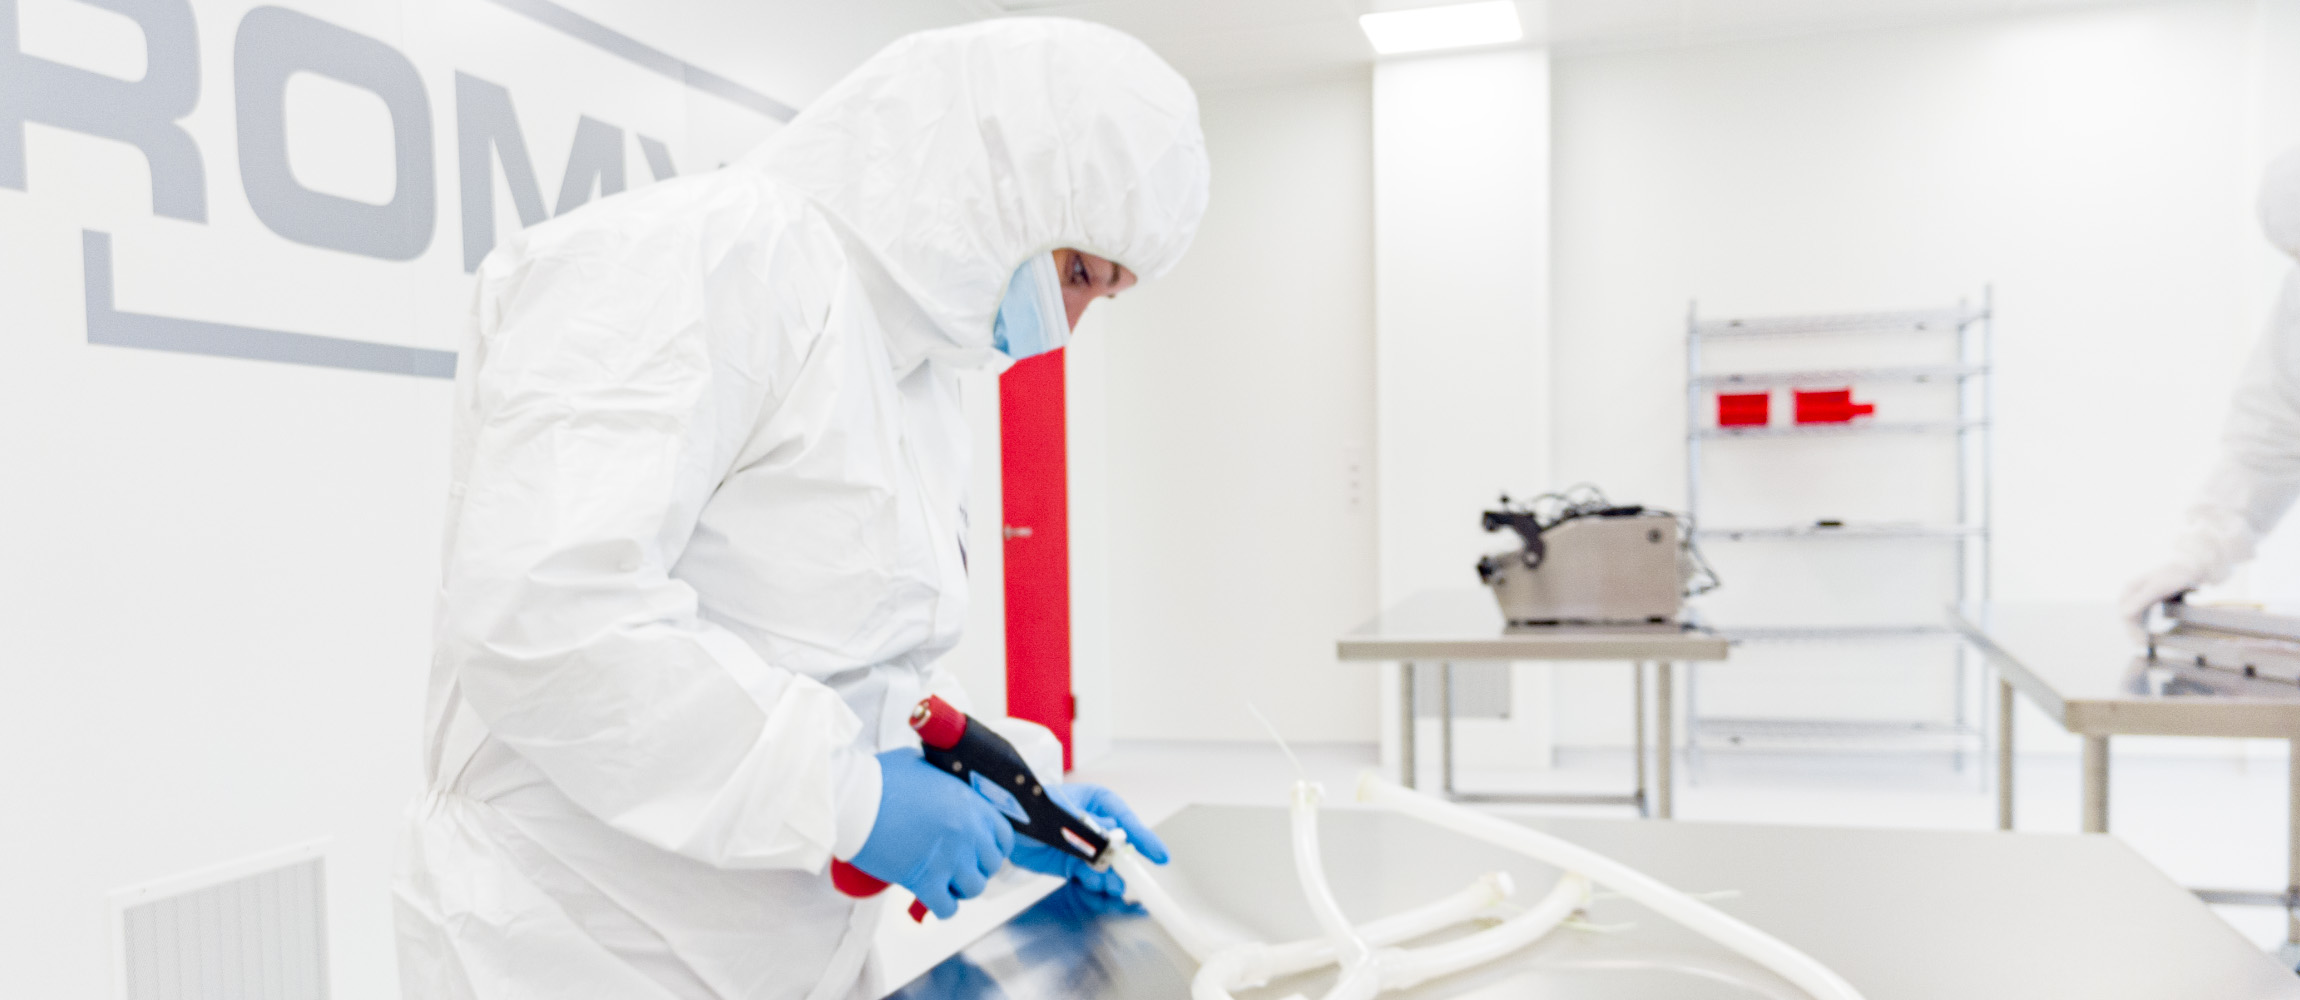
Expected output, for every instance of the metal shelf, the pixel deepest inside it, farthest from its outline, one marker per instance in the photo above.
(1854, 531)
(1839, 376)
(1796, 734)
(1960, 357)
(1844, 429)
(1910, 321)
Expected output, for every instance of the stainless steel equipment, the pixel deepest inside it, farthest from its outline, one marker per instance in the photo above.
(1586, 561)
(2247, 641)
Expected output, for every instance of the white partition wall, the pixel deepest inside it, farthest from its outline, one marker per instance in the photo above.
(1461, 342)
(1237, 422)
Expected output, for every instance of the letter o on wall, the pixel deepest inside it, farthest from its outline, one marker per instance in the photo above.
(275, 43)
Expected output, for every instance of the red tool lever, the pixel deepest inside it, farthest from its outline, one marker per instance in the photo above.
(939, 725)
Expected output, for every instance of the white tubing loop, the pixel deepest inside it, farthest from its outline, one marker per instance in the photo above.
(1375, 966)
(1260, 963)
(1366, 972)
(1798, 968)
(1309, 866)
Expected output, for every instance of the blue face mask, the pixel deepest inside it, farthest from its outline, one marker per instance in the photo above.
(1031, 320)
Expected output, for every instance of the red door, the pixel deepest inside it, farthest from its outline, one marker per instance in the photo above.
(1035, 486)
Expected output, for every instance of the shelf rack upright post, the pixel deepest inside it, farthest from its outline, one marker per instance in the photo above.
(1970, 375)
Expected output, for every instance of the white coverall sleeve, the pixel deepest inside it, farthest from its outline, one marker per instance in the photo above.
(600, 423)
(2258, 474)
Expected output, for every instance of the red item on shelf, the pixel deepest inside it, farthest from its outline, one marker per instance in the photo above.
(1744, 409)
(1830, 406)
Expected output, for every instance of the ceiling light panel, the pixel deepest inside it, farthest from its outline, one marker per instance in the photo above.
(1431, 28)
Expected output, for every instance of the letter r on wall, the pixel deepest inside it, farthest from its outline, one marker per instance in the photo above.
(142, 113)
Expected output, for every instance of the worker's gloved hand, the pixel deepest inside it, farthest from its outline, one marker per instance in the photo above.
(934, 836)
(2152, 587)
(1104, 890)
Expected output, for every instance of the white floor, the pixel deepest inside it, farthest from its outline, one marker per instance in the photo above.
(2217, 822)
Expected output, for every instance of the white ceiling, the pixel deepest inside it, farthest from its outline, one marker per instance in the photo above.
(1220, 43)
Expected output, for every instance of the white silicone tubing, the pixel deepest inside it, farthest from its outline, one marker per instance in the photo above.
(1361, 975)
(1142, 888)
(1373, 966)
(1310, 869)
(1364, 973)
(1764, 949)
(1240, 966)
(1405, 969)
(1263, 962)
(1256, 964)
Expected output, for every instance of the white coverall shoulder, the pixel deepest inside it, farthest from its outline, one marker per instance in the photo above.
(706, 522)
(2257, 476)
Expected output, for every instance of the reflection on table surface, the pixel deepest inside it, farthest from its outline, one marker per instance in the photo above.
(1902, 914)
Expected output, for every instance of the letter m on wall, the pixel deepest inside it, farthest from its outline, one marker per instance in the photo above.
(487, 132)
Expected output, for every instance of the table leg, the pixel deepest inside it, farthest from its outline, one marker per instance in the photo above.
(2004, 755)
(1637, 728)
(1665, 747)
(2291, 849)
(2095, 784)
(1445, 727)
(1406, 724)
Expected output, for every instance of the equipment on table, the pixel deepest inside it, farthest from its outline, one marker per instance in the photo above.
(972, 752)
(1744, 409)
(1586, 560)
(1830, 406)
(2247, 641)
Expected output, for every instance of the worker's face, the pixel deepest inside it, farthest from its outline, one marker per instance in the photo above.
(1085, 278)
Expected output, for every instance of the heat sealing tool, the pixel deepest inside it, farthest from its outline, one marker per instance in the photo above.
(974, 753)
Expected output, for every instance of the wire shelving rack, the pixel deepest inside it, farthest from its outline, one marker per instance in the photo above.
(1967, 531)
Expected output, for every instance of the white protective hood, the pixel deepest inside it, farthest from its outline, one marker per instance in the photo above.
(953, 155)
(2280, 202)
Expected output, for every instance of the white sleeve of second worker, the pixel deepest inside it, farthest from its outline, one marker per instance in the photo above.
(2257, 476)
(600, 426)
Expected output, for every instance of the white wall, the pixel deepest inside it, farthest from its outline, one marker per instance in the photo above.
(2096, 166)
(1462, 359)
(1239, 401)
(215, 610)
(1461, 202)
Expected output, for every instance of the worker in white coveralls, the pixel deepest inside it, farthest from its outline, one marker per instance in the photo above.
(2258, 473)
(706, 537)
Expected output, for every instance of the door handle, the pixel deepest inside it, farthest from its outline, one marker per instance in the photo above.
(1012, 532)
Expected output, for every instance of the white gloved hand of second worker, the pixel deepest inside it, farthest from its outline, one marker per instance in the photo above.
(2148, 589)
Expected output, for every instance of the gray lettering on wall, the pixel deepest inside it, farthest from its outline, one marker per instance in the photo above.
(111, 327)
(275, 43)
(597, 156)
(142, 113)
(658, 158)
(655, 60)
(487, 129)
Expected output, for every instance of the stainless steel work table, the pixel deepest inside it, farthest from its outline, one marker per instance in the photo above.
(2078, 664)
(1450, 626)
(1901, 914)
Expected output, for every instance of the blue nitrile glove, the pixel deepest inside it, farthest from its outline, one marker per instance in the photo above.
(1107, 810)
(934, 836)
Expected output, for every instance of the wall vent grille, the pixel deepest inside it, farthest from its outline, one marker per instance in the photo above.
(261, 935)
